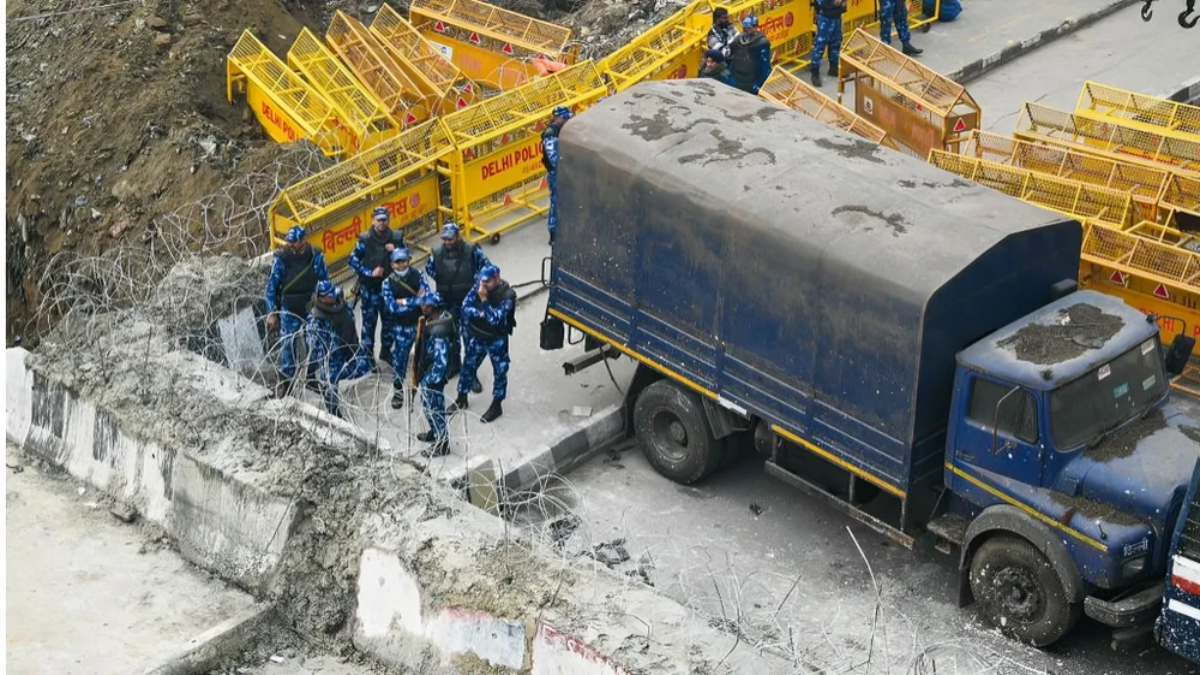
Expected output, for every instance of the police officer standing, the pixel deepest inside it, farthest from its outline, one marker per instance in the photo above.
(829, 35)
(896, 11)
(295, 272)
(550, 157)
(750, 57)
(490, 316)
(370, 259)
(437, 335)
(723, 32)
(400, 292)
(452, 267)
(332, 342)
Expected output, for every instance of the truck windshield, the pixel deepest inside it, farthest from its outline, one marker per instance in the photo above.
(1106, 397)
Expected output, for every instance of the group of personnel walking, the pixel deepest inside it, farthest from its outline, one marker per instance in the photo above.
(743, 59)
(449, 319)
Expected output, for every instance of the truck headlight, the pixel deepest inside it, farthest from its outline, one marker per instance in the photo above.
(1134, 567)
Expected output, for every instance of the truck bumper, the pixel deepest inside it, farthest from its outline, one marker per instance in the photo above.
(1139, 608)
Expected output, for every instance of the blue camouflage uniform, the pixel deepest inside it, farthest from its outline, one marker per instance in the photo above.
(400, 293)
(438, 335)
(550, 159)
(371, 252)
(452, 270)
(894, 11)
(487, 326)
(333, 343)
(294, 278)
(829, 34)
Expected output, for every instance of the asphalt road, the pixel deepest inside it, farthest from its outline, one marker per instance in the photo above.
(793, 575)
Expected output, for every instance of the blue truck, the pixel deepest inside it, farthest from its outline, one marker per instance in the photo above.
(908, 347)
(1178, 628)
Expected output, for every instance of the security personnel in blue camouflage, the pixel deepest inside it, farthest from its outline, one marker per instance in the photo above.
(896, 11)
(453, 267)
(295, 272)
(400, 292)
(490, 313)
(750, 57)
(370, 259)
(333, 342)
(829, 35)
(438, 333)
(550, 157)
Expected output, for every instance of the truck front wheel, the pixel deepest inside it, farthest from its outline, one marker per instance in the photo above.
(674, 433)
(1020, 593)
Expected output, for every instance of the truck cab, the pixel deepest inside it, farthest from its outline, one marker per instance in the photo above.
(1063, 447)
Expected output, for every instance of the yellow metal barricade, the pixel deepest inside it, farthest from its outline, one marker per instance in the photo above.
(859, 14)
(376, 69)
(1181, 197)
(1153, 276)
(919, 109)
(496, 167)
(488, 44)
(1071, 198)
(335, 205)
(423, 63)
(1143, 183)
(356, 109)
(789, 91)
(287, 107)
(1139, 111)
(672, 49)
(1110, 138)
(788, 24)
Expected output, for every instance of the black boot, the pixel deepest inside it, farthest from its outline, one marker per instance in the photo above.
(397, 398)
(833, 70)
(816, 78)
(440, 448)
(311, 384)
(493, 411)
(282, 387)
(460, 403)
(910, 50)
(476, 387)
(425, 436)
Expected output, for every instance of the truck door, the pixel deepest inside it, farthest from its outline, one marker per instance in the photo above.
(1178, 629)
(999, 431)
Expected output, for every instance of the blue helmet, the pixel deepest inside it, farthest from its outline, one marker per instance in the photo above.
(432, 299)
(295, 234)
(326, 289)
(401, 254)
(562, 111)
(449, 230)
(750, 22)
(381, 212)
(488, 272)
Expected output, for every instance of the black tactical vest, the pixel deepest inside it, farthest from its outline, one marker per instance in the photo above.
(440, 328)
(377, 255)
(486, 332)
(341, 320)
(299, 280)
(455, 272)
(403, 288)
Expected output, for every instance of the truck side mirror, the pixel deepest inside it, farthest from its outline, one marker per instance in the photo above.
(1179, 354)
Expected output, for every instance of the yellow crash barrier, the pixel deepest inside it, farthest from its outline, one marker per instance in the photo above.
(1181, 197)
(423, 63)
(335, 205)
(359, 113)
(672, 49)
(919, 109)
(491, 45)
(376, 69)
(1139, 111)
(1154, 276)
(1143, 183)
(286, 106)
(496, 167)
(1112, 138)
(1071, 198)
(789, 91)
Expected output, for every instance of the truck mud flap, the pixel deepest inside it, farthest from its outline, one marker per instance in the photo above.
(861, 516)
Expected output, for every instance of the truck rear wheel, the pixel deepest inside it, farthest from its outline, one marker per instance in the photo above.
(1020, 593)
(674, 433)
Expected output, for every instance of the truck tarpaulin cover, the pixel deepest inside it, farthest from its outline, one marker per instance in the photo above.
(811, 276)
